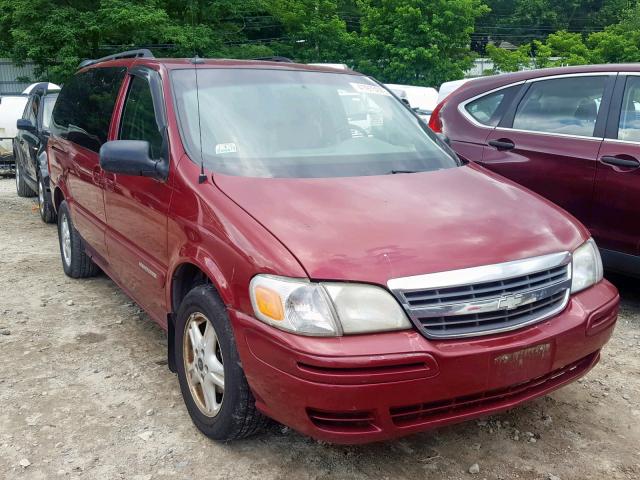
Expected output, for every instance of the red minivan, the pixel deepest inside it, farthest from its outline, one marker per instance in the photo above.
(570, 134)
(316, 254)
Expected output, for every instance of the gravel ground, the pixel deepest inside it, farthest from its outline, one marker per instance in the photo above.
(85, 393)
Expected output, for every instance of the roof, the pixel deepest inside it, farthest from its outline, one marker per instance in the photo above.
(482, 84)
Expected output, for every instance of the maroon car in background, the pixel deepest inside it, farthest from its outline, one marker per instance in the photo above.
(570, 134)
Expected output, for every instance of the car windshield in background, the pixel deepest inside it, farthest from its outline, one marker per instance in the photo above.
(283, 123)
(49, 102)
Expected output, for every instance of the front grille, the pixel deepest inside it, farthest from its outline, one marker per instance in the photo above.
(456, 407)
(487, 299)
(485, 290)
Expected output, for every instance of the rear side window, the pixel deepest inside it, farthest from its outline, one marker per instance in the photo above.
(490, 108)
(139, 119)
(566, 106)
(83, 111)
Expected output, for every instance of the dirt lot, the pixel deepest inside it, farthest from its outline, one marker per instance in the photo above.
(85, 392)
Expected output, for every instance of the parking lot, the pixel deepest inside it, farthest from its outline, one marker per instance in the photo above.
(85, 392)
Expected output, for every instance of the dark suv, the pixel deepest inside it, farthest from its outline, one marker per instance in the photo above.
(348, 277)
(570, 134)
(30, 147)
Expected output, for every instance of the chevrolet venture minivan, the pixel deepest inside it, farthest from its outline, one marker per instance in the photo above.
(350, 278)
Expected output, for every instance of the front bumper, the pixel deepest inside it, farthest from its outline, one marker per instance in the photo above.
(364, 388)
(7, 160)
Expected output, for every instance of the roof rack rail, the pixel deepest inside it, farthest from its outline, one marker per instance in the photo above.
(275, 59)
(139, 53)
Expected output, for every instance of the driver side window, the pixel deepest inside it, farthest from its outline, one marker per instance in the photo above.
(138, 117)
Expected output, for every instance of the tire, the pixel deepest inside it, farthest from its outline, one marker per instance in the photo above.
(21, 186)
(75, 262)
(236, 415)
(45, 206)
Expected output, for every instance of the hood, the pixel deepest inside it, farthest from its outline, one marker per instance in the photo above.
(372, 229)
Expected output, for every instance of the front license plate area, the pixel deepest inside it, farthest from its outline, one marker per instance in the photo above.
(521, 365)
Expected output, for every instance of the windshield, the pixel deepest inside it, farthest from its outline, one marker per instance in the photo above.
(283, 123)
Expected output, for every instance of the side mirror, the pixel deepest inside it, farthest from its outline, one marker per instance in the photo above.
(131, 157)
(26, 125)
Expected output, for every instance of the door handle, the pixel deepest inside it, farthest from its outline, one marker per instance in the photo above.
(502, 144)
(620, 162)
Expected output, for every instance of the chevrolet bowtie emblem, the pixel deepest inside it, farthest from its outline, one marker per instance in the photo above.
(510, 302)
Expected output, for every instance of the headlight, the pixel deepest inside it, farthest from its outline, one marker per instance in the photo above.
(325, 309)
(586, 266)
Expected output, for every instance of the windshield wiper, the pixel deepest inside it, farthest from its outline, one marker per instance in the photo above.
(401, 171)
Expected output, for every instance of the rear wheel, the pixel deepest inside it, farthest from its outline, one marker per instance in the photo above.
(213, 384)
(45, 206)
(21, 186)
(75, 262)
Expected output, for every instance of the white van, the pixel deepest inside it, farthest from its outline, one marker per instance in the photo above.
(11, 109)
(447, 87)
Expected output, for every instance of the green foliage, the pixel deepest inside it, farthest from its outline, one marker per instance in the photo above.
(617, 43)
(314, 31)
(521, 21)
(419, 42)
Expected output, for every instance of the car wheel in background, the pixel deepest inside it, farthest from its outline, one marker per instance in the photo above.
(45, 206)
(213, 384)
(75, 262)
(21, 187)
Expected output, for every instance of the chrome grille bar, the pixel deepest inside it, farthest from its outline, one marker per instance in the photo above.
(486, 299)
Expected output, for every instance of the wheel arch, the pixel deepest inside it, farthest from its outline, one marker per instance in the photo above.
(185, 276)
(58, 198)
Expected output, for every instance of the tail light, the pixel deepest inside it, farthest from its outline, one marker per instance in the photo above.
(435, 122)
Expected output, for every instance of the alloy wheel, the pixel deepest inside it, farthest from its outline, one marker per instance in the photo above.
(65, 239)
(203, 364)
(40, 197)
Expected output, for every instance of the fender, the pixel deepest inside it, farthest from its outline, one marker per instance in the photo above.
(199, 257)
(43, 168)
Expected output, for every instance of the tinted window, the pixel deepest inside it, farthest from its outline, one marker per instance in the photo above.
(629, 127)
(287, 123)
(83, 111)
(564, 105)
(138, 119)
(489, 109)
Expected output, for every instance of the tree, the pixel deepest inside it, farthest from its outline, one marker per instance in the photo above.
(313, 31)
(521, 21)
(418, 42)
(73, 30)
(617, 43)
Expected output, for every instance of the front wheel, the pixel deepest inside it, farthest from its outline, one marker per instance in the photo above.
(45, 206)
(212, 382)
(22, 188)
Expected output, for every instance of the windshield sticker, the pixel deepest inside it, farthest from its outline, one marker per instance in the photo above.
(226, 148)
(371, 89)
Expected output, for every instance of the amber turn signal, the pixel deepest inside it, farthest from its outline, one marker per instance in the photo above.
(269, 303)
